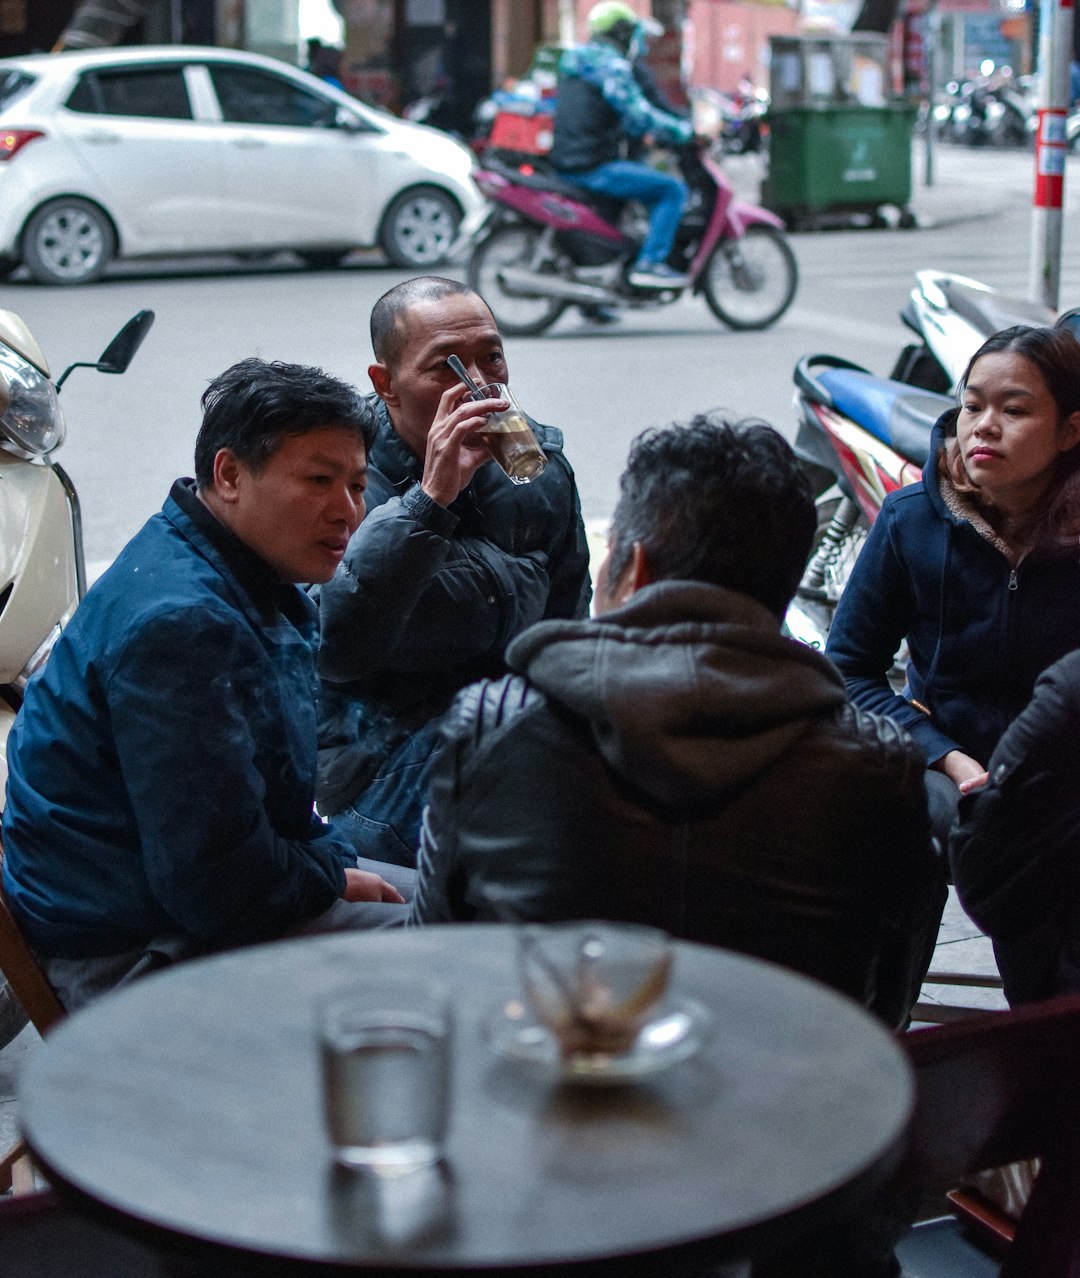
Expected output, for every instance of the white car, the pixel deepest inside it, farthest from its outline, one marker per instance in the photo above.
(140, 152)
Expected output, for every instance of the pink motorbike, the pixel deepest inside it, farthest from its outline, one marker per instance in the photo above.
(548, 244)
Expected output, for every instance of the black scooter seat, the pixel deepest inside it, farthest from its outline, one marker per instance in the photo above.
(900, 415)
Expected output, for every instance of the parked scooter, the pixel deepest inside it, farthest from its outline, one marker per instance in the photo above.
(548, 244)
(860, 437)
(951, 316)
(42, 567)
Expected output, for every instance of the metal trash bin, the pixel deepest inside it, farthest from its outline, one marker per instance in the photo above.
(838, 144)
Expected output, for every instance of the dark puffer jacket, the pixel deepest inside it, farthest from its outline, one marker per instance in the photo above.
(980, 631)
(1015, 852)
(680, 763)
(428, 597)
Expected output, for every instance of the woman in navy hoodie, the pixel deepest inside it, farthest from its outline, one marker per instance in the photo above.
(977, 567)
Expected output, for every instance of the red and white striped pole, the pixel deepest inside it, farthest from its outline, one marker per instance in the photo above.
(1055, 54)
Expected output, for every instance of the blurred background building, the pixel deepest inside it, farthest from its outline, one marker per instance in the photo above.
(394, 52)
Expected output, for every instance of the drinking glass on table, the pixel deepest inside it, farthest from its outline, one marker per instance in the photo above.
(386, 1074)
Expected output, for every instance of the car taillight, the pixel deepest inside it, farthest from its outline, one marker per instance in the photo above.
(12, 141)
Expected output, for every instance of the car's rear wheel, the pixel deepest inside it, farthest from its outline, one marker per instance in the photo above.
(419, 227)
(68, 241)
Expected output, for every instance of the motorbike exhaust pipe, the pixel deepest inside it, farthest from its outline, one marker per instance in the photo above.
(516, 279)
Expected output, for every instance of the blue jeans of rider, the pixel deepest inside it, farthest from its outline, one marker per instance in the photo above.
(663, 195)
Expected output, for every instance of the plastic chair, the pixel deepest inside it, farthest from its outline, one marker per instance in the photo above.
(996, 1089)
(39, 1001)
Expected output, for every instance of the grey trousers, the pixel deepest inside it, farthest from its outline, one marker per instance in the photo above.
(77, 981)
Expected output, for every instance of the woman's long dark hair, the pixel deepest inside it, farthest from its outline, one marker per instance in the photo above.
(1055, 353)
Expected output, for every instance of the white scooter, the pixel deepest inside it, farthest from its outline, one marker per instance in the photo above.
(42, 568)
(951, 316)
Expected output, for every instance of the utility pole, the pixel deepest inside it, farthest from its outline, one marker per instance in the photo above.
(1055, 53)
(933, 35)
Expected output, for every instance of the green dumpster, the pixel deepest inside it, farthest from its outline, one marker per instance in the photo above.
(837, 145)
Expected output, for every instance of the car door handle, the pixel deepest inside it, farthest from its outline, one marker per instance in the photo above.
(100, 137)
(249, 144)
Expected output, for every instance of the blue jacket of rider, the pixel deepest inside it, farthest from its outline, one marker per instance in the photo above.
(162, 769)
(600, 102)
(980, 630)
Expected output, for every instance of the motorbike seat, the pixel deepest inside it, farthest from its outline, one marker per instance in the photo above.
(989, 312)
(605, 206)
(900, 415)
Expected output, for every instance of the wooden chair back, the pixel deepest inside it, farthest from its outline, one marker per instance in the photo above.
(23, 972)
(996, 1089)
(38, 998)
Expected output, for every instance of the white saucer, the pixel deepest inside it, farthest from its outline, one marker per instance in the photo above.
(673, 1035)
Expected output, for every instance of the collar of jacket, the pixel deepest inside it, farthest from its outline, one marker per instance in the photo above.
(253, 574)
(390, 455)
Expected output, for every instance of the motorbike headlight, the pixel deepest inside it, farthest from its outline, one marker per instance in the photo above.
(31, 421)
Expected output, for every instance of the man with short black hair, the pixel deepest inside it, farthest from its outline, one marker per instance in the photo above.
(680, 762)
(451, 563)
(162, 768)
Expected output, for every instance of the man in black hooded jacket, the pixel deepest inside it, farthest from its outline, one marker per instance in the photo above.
(680, 762)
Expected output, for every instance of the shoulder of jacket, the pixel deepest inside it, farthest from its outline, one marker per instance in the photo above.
(550, 437)
(884, 747)
(910, 498)
(486, 706)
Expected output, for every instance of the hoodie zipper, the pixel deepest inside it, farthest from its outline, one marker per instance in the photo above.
(1013, 583)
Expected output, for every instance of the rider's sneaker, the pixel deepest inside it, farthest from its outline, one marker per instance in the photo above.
(657, 275)
(600, 314)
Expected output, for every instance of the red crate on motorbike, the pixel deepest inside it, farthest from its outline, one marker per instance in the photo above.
(532, 134)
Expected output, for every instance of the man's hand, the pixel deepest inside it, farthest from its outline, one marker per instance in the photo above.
(454, 451)
(964, 771)
(361, 885)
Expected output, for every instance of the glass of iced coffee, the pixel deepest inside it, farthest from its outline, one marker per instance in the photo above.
(510, 439)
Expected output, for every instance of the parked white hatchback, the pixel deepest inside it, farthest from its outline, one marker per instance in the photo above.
(154, 151)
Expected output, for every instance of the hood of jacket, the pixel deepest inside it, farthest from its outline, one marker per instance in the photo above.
(689, 690)
(931, 479)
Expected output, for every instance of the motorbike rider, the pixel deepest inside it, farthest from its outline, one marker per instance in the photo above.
(600, 104)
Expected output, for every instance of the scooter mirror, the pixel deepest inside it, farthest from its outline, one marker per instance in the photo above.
(1071, 321)
(121, 350)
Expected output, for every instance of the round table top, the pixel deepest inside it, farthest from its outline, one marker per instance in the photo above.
(191, 1103)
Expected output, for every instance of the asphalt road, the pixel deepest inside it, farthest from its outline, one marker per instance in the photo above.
(130, 436)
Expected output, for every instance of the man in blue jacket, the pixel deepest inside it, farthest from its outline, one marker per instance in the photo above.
(600, 105)
(162, 768)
